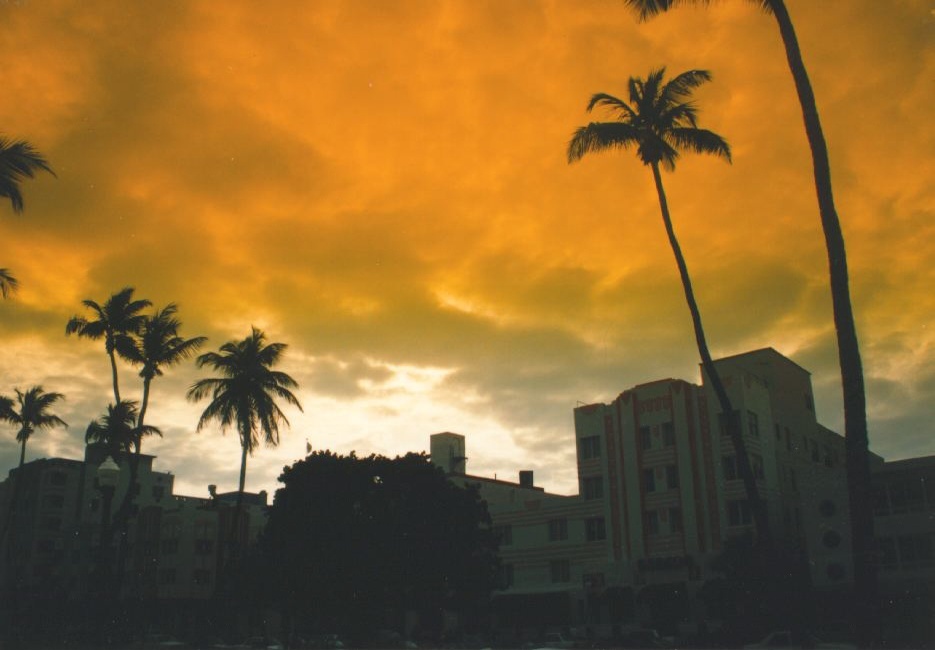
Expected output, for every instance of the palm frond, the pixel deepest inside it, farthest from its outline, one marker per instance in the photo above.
(19, 161)
(601, 136)
(701, 141)
(8, 283)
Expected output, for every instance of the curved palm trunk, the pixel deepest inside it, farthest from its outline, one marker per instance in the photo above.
(856, 438)
(734, 429)
(113, 369)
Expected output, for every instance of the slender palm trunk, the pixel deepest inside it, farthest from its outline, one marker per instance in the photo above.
(113, 369)
(22, 453)
(852, 377)
(732, 422)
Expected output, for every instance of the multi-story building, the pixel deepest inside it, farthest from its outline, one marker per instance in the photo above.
(659, 494)
(904, 522)
(54, 511)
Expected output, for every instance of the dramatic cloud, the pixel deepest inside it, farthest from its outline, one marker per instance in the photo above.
(383, 186)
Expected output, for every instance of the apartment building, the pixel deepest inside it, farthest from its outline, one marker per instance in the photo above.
(53, 512)
(659, 494)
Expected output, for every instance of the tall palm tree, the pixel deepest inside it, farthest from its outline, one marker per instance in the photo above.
(33, 414)
(117, 429)
(157, 345)
(116, 319)
(244, 397)
(856, 438)
(659, 121)
(18, 161)
(8, 283)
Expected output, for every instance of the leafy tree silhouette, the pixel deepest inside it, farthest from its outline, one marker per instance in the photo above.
(659, 121)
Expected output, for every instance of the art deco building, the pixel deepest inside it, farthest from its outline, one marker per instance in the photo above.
(659, 494)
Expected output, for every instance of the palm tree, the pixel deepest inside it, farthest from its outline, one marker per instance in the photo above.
(659, 120)
(157, 345)
(856, 439)
(18, 161)
(116, 319)
(117, 429)
(8, 283)
(33, 414)
(244, 397)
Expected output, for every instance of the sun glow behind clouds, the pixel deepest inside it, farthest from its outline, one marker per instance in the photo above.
(383, 186)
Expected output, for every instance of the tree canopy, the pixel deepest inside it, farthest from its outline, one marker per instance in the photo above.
(349, 539)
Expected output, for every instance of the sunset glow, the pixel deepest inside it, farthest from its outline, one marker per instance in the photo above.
(383, 187)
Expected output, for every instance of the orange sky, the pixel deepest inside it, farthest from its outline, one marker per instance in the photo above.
(382, 185)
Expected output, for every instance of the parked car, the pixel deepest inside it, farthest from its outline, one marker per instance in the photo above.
(786, 640)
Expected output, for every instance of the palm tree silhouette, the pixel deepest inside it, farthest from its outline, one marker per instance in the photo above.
(8, 283)
(155, 346)
(18, 161)
(117, 429)
(856, 439)
(117, 319)
(659, 121)
(244, 396)
(33, 414)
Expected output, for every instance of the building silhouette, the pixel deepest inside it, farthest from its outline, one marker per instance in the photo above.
(659, 496)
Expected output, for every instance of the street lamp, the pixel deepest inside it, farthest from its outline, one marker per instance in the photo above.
(108, 473)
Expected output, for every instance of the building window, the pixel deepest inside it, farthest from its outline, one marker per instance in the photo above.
(593, 487)
(51, 523)
(53, 501)
(201, 577)
(167, 576)
(203, 546)
(889, 560)
(668, 434)
(778, 434)
(788, 439)
(816, 454)
(504, 534)
(738, 513)
(560, 570)
(831, 539)
(753, 423)
(672, 477)
(558, 530)
(730, 467)
(651, 519)
(756, 464)
(169, 546)
(646, 438)
(158, 492)
(505, 576)
(593, 581)
(590, 447)
(675, 520)
(881, 504)
(594, 529)
(723, 420)
(649, 479)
